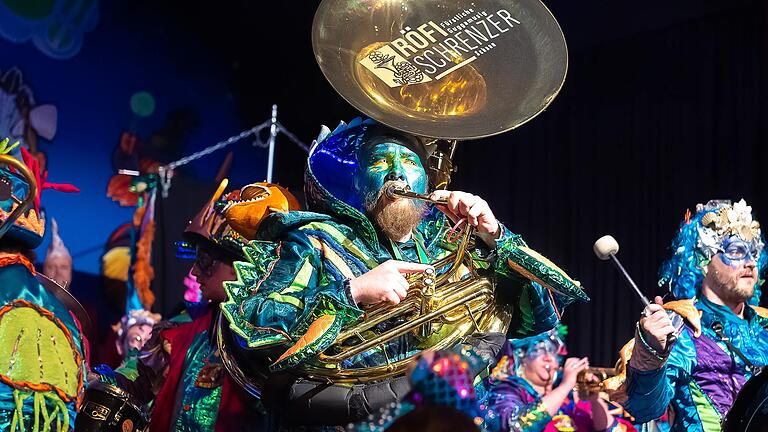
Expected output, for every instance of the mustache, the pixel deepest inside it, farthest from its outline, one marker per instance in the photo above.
(747, 273)
(379, 196)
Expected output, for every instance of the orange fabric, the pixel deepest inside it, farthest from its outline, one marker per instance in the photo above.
(138, 215)
(118, 189)
(143, 273)
(761, 311)
(687, 310)
(315, 330)
(7, 259)
(28, 221)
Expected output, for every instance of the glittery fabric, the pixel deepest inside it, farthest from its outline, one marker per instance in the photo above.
(197, 406)
(296, 270)
(189, 388)
(444, 382)
(291, 295)
(514, 406)
(22, 402)
(701, 377)
(511, 404)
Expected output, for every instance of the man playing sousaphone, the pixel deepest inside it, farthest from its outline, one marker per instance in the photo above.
(314, 274)
(338, 301)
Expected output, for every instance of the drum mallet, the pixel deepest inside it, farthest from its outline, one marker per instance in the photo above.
(606, 248)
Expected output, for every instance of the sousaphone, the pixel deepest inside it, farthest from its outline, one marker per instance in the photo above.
(456, 70)
(445, 71)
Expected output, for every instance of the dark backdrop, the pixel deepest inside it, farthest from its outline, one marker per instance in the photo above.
(664, 107)
(645, 127)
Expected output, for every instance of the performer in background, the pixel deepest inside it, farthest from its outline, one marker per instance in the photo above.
(42, 348)
(312, 274)
(715, 274)
(180, 368)
(134, 330)
(527, 393)
(58, 262)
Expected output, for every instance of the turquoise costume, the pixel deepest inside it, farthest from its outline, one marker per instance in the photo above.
(293, 292)
(43, 351)
(701, 377)
(703, 373)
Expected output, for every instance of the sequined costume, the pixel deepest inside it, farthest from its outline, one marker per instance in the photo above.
(43, 353)
(188, 386)
(180, 368)
(441, 388)
(702, 375)
(517, 406)
(512, 404)
(293, 292)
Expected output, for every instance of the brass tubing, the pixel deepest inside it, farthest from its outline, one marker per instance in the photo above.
(403, 329)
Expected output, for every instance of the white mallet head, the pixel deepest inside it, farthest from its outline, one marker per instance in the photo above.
(606, 246)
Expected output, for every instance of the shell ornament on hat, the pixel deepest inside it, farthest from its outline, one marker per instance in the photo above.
(703, 235)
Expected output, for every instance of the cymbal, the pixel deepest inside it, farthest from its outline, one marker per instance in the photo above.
(456, 69)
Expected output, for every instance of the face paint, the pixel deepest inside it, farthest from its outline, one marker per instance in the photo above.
(389, 161)
(736, 251)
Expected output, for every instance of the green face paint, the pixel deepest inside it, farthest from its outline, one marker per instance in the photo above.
(385, 162)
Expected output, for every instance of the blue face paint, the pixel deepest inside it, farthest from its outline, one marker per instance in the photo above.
(385, 162)
(736, 251)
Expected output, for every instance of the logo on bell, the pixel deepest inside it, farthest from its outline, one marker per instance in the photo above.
(392, 68)
(433, 50)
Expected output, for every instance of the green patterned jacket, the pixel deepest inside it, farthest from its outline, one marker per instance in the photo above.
(296, 272)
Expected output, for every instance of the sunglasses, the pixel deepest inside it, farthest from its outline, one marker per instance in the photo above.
(206, 261)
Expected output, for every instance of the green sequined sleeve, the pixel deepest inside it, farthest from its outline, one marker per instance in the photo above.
(281, 290)
(535, 308)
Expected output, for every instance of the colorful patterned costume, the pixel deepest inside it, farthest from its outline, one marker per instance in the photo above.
(518, 407)
(180, 368)
(702, 375)
(43, 353)
(293, 292)
(512, 404)
(189, 387)
(441, 387)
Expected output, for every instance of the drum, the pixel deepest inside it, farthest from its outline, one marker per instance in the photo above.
(107, 408)
(749, 412)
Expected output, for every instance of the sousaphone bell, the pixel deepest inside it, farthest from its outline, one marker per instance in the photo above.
(457, 70)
